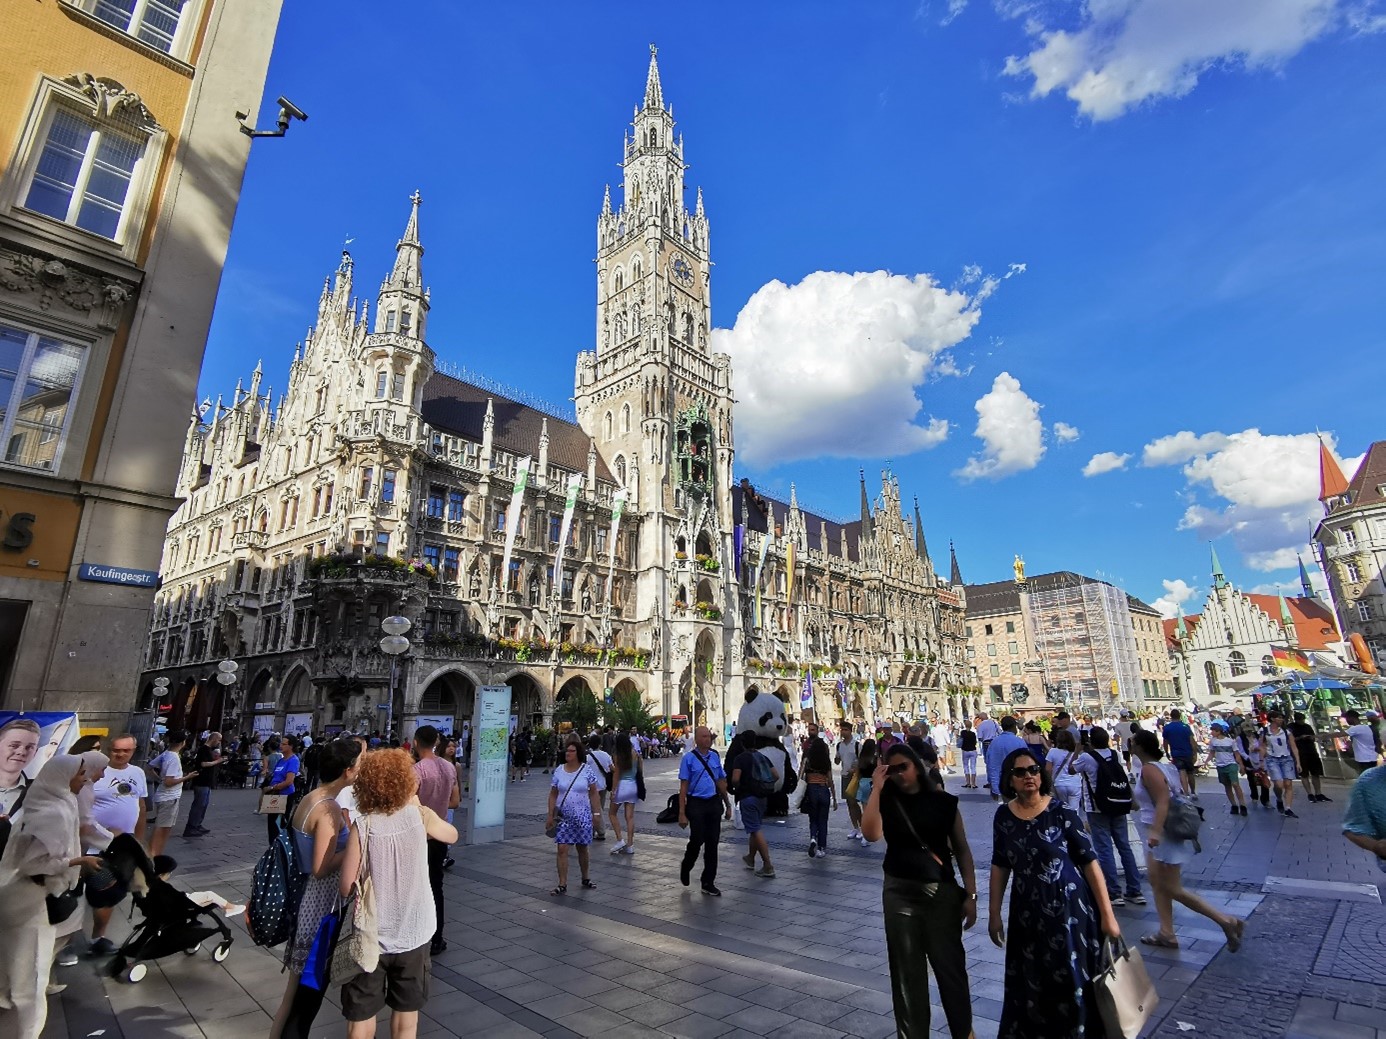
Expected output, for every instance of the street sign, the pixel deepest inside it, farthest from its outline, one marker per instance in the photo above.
(117, 575)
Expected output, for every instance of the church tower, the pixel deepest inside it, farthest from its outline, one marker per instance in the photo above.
(652, 395)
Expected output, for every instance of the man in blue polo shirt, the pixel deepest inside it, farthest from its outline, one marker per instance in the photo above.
(1179, 745)
(702, 801)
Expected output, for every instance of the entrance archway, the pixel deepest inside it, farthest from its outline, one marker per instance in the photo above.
(449, 695)
(704, 662)
(526, 699)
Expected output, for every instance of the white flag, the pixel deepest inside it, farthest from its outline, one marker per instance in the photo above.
(512, 518)
(618, 506)
(574, 486)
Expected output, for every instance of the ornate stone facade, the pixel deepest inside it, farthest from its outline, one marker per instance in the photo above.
(380, 484)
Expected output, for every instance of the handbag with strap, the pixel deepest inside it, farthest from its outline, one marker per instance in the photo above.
(357, 950)
(1126, 996)
(930, 863)
(551, 830)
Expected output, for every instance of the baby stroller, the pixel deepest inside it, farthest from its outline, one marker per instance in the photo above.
(172, 922)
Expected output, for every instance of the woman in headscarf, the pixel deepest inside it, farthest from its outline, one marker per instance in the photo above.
(43, 857)
(94, 838)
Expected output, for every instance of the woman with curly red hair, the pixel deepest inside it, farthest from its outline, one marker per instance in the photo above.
(390, 831)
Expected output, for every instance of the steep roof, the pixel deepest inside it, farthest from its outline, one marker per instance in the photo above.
(758, 509)
(1314, 624)
(1137, 606)
(459, 407)
(1367, 483)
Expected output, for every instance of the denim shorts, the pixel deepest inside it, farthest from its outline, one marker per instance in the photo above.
(1280, 768)
(752, 813)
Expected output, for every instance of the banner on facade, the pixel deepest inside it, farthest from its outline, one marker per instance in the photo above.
(789, 580)
(618, 506)
(842, 693)
(759, 619)
(31, 738)
(569, 507)
(806, 693)
(298, 724)
(443, 723)
(512, 517)
(871, 695)
(738, 547)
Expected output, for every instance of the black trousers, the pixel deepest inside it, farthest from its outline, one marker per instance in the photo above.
(437, 852)
(704, 830)
(923, 924)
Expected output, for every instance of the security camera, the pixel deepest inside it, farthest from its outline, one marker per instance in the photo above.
(289, 110)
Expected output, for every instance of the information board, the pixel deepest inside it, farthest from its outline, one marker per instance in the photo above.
(490, 762)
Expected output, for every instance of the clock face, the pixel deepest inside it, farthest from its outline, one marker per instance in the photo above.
(681, 271)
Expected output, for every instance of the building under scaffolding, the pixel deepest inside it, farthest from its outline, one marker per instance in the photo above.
(1082, 631)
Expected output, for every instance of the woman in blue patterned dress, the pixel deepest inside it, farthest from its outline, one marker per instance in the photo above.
(1059, 909)
(572, 802)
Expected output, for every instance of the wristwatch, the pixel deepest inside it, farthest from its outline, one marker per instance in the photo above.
(972, 897)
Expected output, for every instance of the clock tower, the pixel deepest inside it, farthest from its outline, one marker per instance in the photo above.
(652, 394)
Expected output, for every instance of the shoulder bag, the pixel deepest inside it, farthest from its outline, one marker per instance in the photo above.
(357, 950)
(552, 830)
(1126, 996)
(932, 871)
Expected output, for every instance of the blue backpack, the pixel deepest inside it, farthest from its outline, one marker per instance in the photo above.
(275, 891)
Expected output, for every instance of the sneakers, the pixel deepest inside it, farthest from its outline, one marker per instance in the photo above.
(711, 889)
(617, 847)
(766, 874)
(600, 835)
(864, 842)
(684, 872)
(54, 988)
(1242, 808)
(813, 847)
(1136, 899)
(854, 835)
(101, 947)
(1117, 900)
(1290, 814)
(629, 849)
(1280, 807)
(1233, 810)
(822, 853)
(750, 860)
(66, 958)
(437, 945)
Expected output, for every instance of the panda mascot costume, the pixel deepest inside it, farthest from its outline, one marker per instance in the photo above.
(763, 716)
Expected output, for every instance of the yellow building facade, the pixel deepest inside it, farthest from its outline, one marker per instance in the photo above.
(123, 158)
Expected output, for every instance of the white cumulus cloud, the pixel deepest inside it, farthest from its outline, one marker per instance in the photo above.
(1009, 426)
(1120, 53)
(1105, 462)
(1065, 433)
(831, 365)
(1180, 447)
(1177, 593)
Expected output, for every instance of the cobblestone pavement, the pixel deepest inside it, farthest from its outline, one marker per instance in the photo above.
(794, 958)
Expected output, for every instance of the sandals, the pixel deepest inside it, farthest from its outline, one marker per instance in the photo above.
(1234, 935)
(1161, 942)
(562, 889)
(588, 885)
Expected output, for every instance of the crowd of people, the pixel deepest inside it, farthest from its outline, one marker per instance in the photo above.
(361, 813)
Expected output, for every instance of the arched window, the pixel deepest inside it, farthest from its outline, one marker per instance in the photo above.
(1210, 676)
(688, 328)
(654, 137)
(390, 320)
(606, 427)
(625, 418)
(636, 269)
(620, 468)
(619, 282)
(1238, 663)
(635, 320)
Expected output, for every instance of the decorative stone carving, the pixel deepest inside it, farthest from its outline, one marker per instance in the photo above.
(112, 100)
(52, 281)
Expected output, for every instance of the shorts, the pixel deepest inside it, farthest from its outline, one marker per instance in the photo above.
(166, 813)
(1183, 764)
(752, 813)
(1169, 851)
(400, 982)
(1280, 768)
(1228, 774)
(627, 793)
(1310, 765)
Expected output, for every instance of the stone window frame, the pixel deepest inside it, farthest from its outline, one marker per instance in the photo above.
(184, 38)
(102, 100)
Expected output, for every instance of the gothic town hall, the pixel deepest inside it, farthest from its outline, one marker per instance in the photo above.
(618, 551)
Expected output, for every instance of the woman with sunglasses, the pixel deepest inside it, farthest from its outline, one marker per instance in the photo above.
(1059, 908)
(1165, 856)
(926, 910)
(572, 803)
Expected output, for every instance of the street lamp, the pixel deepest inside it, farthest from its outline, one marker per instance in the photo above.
(226, 677)
(159, 691)
(393, 644)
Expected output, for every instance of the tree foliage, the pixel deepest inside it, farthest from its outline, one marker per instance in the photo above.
(628, 708)
(581, 708)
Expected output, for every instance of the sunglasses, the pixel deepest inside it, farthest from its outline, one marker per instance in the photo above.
(895, 770)
(1021, 771)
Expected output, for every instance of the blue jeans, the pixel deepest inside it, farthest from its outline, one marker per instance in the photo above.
(819, 800)
(201, 798)
(1109, 830)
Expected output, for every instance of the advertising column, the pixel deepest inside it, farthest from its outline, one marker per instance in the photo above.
(490, 760)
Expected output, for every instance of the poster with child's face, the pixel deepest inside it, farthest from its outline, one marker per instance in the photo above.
(29, 740)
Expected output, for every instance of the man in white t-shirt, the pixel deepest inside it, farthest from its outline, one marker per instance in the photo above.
(600, 764)
(118, 806)
(167, 769)
(845, 754)
(1366, 744)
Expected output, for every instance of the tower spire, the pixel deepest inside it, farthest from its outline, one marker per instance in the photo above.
(654, 94)
(865, 507)
(1219, 578)
(403, 301)
(1304, 585)
(919, 545)
(1332, 482)
(954, 571)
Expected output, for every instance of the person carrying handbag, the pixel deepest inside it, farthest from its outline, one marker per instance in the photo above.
(569, 821)
(395, 847)
(926, 910)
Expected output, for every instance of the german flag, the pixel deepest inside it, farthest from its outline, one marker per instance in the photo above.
(1289, 659)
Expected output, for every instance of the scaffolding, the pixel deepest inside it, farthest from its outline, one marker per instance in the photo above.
(1081, 629)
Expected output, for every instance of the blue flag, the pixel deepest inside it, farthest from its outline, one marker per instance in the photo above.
(806, 694)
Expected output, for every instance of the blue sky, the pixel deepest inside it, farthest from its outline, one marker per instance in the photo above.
(1186, 196)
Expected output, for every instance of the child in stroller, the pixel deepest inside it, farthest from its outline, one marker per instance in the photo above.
(172, 921)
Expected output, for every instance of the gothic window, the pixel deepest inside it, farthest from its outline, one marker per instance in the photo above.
(636, 268)
(387, 485)
(435, 502)
(672, 318)
(1268, 665)
(606, 426)
(1238, 663)
(456, 502)
(512, 583)
(635, 320)
(654, 137)
(500, 517)
(433, 555)
(619, 466)
(390, 320)
(625, 418)
(702, 336)
(451, 559)
(620, 281)
(382, 544)
(382, 380)
(262, 522)
(397, 386)
(367, 476)
(688, 329)
(406, 320)
(1210, 677)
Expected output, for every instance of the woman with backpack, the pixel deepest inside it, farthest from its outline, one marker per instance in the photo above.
(1166, 855)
